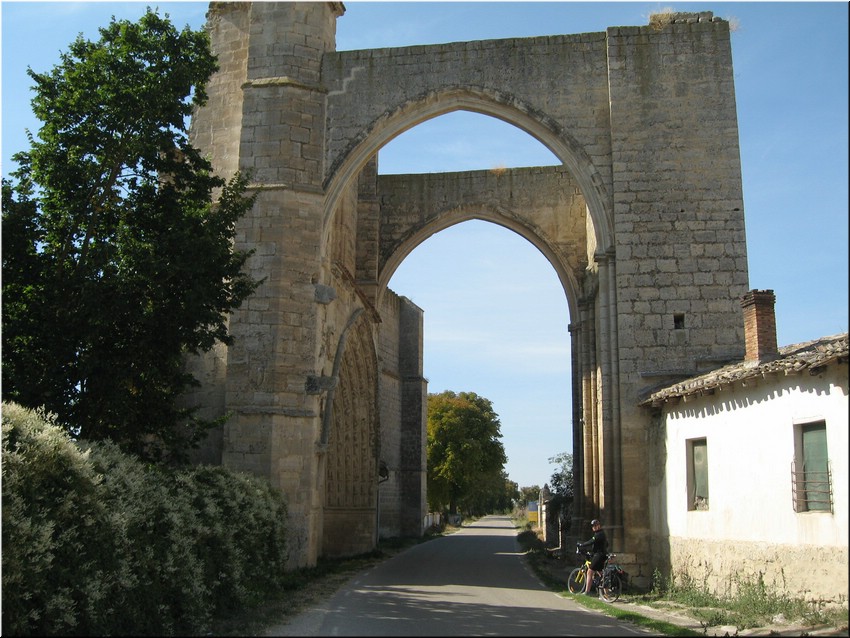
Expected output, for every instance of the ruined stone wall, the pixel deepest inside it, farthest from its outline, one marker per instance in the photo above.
(558, 83)
(414, 401)
(643, 224)
(681, 259)
(403, 391)
(390, 384)
(350, 443)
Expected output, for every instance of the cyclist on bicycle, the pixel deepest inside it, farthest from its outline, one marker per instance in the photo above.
(598, 544)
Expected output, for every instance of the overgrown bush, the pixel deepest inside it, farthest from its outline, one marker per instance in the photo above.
(96, 542)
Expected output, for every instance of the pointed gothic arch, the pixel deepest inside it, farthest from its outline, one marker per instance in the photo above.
(351, 436)
(507, 108)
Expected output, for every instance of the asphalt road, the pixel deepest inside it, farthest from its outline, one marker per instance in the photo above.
(474, 582)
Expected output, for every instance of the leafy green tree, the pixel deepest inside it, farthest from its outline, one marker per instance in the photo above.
(562, 485)
(117, 262)
(493, 493)
(466, 457)
(512, 490)
(562, 481)
(528, 493)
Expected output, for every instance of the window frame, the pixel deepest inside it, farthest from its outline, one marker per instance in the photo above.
(696, 503)
(803, 486)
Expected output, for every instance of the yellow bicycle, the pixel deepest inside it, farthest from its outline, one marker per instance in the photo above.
(608, 583)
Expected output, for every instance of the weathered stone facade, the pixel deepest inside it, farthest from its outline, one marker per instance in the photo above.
(643, 222)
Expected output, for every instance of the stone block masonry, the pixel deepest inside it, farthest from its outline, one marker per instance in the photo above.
(643, 222)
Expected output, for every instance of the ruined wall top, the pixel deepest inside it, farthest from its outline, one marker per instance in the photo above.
(673, 17)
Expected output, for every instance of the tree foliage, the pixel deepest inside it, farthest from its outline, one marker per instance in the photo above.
(116, 260)
(562, 486)
(466, 457)
(528, 493)
(98, 543)
(562, 481)
(494, 493)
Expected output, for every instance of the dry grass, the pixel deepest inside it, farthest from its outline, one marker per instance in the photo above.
(662, 17)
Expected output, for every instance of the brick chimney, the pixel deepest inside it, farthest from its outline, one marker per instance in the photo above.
(760, 325)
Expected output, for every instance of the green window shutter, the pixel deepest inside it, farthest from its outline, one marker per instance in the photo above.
(816, 467)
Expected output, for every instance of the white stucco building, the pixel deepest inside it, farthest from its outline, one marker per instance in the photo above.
(750, 472)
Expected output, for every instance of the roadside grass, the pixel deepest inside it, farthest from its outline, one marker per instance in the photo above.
(537, 559)
(657, 627)
(753, 605)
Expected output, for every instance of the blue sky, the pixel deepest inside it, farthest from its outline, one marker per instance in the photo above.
(495, 316)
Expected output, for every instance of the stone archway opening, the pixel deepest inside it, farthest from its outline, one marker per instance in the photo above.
(499, 328)
(461, 141)
(558, 208)
(472, 277)
(508, 177)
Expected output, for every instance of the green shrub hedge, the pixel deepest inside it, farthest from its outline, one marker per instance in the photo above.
(95, 542)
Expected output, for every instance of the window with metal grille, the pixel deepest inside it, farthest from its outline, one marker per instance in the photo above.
(697, 455)
(811, 483)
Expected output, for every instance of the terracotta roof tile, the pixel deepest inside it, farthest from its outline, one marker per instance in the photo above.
(810, 355)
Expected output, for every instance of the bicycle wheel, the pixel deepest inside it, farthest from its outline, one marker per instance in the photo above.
(575, 583)
(610, 588)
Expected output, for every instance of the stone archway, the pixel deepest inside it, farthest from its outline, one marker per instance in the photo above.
(546, 207)
(585, 267)
(643, 119)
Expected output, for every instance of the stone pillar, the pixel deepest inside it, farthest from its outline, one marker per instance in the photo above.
(590, 433)
(576, 345)
(216, 130)
(678, 220)
(368, 231)
(414, 408)
(274, 123)
(605, 447)
(614, 512)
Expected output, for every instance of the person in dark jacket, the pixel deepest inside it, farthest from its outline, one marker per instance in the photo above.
(598, 545)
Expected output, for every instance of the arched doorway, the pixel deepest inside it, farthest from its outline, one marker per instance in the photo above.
(496, 323)
(351, 437)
